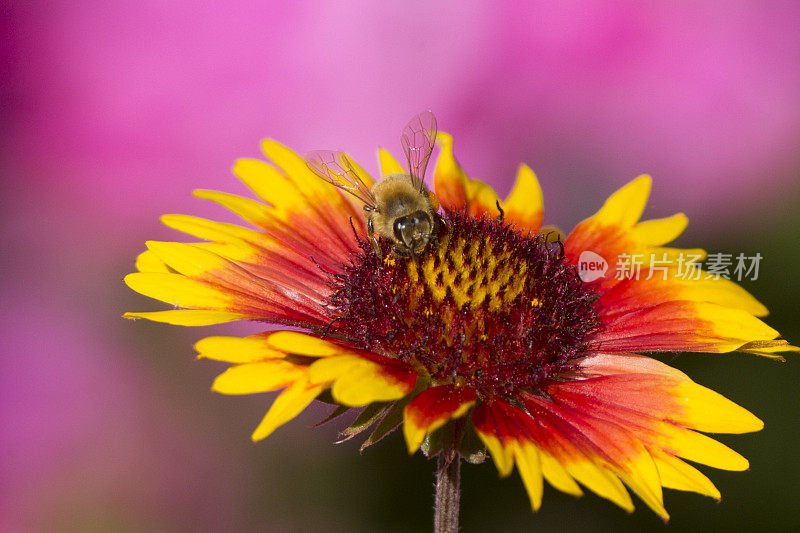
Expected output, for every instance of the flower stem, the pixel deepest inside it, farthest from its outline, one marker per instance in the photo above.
(448, 493)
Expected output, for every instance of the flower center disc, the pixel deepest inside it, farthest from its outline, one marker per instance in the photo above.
(484, 306)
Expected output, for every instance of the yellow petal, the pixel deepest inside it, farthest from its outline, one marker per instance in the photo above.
(675, 474)
(530, 470)
(557, 476)
(234, 252)
(502, 456)
(525, 205)
(269, 184)
(287, 406)
(600, 481)
(357, 381)
(625, 207)
(708, 411)
(213, 231)
(389, 164)
(250, 210)
(641, 475)
(177, 290)
(700, 448)
(147, 261)
(297, 170)
(302, 344)
(264, 376)
(722, 292)
(189, 317)
(187, 259)
(660, 231)
(737, 326)
(236, 349)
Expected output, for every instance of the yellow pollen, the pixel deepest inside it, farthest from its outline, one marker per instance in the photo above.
(471, 272)
(536, 302)
(389, 261)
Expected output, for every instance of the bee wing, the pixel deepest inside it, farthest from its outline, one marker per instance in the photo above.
(336, 169)
(418, 138)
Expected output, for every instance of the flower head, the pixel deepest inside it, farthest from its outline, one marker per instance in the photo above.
(489, 331)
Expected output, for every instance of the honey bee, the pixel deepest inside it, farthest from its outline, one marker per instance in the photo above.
(399, 207)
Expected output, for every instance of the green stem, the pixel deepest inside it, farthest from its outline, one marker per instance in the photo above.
(448, 493)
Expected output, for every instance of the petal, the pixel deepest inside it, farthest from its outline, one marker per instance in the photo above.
(619, 448)
(699, 448)
(263, 376)
(237, 349)
(389, 164)
(625, 207)
(708, 411)
(656, 409)
(680, 401)
(496, 434)
(302, 344)
(525, 205)
(270, 185)
(147, 261)
(682, 326)
(580, 457)
(356, 380)
(211, 230)
(187, 259)
(504, 429)
(481, 199)
(295, 167)
(431, 409)
(557, 476)
(608, 364)
(287, 406)
(631, 460)
(528, 460)
(189, 317)
(660, 231)
(771, 349)
(178, 290)
(675, 474)
(252, 211)
(632, 294)
(449, 179)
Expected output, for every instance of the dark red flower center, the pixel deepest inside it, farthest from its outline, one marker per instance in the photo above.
(485, 307)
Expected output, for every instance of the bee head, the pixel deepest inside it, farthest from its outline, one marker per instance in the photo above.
(413, 230)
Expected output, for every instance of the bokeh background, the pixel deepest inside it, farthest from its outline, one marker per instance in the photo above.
(113, 112)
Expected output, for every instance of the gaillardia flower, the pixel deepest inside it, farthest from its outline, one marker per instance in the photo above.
(488, 332)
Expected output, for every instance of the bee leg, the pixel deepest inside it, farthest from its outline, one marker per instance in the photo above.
(371, 233)
(502, 213)
(414, 258)
(438, 224)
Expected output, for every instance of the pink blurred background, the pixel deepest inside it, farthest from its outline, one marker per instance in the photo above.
(111, 115)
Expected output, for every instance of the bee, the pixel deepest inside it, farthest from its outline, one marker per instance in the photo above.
(398, 207)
